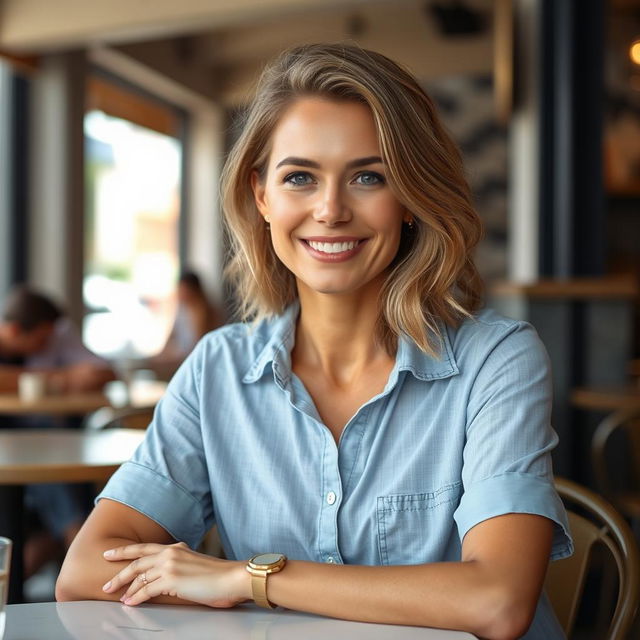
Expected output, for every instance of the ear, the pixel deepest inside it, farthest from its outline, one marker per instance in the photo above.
(258, 188)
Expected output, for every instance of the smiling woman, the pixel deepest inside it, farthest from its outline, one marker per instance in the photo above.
(372, 447)
(335, 223)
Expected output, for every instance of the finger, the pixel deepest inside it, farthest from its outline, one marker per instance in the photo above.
(138, 583)
(150, 590)
(128, 574)
(131, 551)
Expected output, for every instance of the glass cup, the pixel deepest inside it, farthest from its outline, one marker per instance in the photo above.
(5, 562)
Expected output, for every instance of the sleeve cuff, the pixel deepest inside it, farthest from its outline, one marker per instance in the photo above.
(515, 493)
(158, 498)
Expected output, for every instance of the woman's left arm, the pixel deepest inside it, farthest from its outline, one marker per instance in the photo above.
(492, 592)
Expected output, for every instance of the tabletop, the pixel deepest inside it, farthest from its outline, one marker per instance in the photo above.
(64, 404)
(607, 398)
(141, 394)
(114, 621)
(64, 455)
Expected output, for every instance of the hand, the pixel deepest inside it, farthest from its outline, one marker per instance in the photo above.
(175, 570)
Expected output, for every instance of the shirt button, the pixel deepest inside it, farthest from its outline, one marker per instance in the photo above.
(330, 560)
(331, 497)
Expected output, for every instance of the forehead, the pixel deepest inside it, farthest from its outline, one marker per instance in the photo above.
(319, 126)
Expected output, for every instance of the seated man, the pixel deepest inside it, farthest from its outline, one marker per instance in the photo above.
(35, 335)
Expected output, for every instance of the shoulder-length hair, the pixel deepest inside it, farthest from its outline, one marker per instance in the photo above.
(433, 279)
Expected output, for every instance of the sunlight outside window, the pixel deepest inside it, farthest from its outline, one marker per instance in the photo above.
(133, 179)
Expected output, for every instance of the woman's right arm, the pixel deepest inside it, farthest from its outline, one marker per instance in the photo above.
(111, 524)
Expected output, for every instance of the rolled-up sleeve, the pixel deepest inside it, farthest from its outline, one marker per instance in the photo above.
(506, 459)
(167, 478)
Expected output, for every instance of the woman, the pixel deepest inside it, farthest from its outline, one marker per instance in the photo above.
(370, 426)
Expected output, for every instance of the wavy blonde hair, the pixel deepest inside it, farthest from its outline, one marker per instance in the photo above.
(432, 279)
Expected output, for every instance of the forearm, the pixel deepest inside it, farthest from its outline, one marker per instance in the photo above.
(85, 572)
(457, 595)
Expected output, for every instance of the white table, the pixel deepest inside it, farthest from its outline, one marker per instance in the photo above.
(90, 620)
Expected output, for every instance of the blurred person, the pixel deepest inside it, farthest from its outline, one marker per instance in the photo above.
(373, 445)
(195, 317)
(35, 335)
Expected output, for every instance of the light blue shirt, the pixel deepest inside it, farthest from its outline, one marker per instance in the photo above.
(450, 442)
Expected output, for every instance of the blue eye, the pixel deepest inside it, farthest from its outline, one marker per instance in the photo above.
(298, 179)
(369, 178)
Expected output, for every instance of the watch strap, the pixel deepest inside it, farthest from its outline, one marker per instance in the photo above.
(259, 590)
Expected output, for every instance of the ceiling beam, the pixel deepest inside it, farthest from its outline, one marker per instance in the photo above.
(42, 25)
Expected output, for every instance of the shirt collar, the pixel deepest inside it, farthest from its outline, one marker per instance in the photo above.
(277, 352)
(423, 366)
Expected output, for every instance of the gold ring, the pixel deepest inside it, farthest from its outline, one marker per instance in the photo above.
(143, 578)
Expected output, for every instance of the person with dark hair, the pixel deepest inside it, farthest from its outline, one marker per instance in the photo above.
(35, 335)
(371, 443)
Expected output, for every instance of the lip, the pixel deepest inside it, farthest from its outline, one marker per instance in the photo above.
(333, 257)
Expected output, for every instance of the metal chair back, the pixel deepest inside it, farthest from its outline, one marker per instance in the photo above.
(594, 522)
(624, 495)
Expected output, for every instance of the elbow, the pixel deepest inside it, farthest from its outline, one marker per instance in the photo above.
(63, 592)
(502, 616)
(70, 585)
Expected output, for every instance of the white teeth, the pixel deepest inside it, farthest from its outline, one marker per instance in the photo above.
(332, 247)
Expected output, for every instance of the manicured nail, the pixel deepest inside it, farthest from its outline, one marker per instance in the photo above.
(109, 553)
(107, 586)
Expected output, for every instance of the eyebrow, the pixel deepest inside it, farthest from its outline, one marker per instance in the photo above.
(304, 162)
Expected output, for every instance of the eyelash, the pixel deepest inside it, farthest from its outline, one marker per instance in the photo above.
(289, 178)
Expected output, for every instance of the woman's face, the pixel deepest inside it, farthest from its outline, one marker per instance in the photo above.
(335, 223)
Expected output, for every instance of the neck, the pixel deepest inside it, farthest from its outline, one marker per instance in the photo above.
(336, 334)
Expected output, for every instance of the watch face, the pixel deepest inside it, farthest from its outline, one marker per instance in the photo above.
(267, 558)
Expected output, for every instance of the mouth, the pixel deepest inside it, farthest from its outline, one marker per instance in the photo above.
(333, 249)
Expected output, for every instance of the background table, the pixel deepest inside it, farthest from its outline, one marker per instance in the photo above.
(142, 393)
(62, 405)
(606, 398)
(30, 456)
(112, 620)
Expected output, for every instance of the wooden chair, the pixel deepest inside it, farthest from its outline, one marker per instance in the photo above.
(594, 523)
(127, 418)
(608, 461)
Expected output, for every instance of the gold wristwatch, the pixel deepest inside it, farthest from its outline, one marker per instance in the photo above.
(260, 566)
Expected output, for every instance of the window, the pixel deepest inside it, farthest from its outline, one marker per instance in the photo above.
(133, 178)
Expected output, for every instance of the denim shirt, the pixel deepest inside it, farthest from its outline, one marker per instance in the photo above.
(450, 442)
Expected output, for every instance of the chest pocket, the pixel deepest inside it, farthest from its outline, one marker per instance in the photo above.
(416, 528)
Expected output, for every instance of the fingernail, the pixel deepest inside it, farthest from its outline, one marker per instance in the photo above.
(127, 601)
(108, 553)
(107, 586)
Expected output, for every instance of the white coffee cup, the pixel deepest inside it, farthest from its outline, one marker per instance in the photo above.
(32, 385)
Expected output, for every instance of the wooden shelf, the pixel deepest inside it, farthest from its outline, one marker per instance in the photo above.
(621, 288)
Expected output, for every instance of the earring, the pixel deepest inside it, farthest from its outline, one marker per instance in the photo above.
(267, 219)
(410, 224)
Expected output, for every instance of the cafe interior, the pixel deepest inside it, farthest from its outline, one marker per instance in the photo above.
(115, 120)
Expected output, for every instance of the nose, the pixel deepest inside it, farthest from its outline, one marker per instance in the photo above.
(332, 207)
